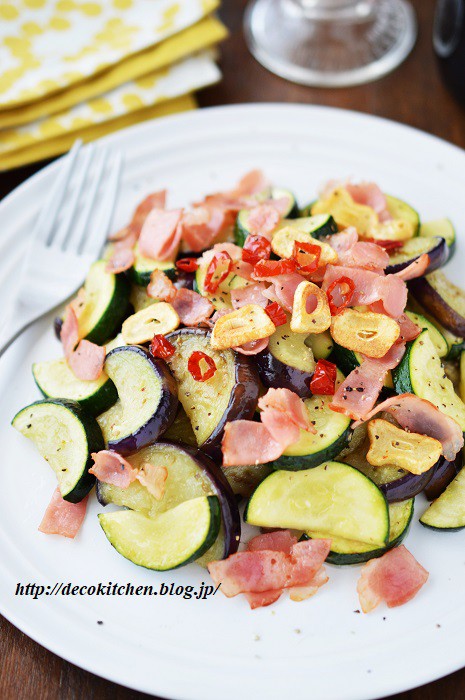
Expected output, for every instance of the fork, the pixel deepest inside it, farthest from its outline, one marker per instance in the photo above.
(66, 238)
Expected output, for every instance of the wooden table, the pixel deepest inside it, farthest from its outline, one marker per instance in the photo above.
(413, 95)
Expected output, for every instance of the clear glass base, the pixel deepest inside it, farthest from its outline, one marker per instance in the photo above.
(330, 43)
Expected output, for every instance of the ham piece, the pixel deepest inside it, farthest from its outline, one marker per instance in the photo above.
(62, 517)
(371, 287)
(87, 359)
(161, 234)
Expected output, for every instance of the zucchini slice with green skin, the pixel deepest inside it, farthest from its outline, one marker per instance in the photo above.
(443, 299)
(143, 267)
(191, 474)
(344, 552)
(321, 344)
(231, 394)
(333, 499)
(420, 372)
(65, 435)
(56, 380)
(439, 341)
(348, 360)
(171, 540)
(448, 511)
(310, 450)
(147, 402)
(292, 210)
(399, 209)
(106, 304)
(221, 299)
(440, 227)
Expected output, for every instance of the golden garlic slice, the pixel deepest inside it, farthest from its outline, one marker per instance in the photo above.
(248, 323)
(316, 321)
(283, 241)
(410, 451)
(365, 331)
(159, 317)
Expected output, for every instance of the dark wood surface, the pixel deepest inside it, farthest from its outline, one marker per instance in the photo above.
(414, 95)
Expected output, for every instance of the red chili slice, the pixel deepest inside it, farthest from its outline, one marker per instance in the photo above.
(217, 271)
(187, 264)
(344, 294)
(193, 365)
(387, 245)
(307, 256)
(161, 347)
(271, 268)
(323, 381)
(256, 248)
(276, 313)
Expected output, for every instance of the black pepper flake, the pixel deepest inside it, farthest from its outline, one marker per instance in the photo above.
(100, 622)
(29, 425)
(357, 611)
(349, 389)
(360, 389)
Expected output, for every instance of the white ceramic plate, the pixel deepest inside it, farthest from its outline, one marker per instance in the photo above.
(217, 648)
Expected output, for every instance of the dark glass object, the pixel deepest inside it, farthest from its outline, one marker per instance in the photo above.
(449, 44)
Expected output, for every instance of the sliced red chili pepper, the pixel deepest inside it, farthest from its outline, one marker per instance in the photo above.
(276, 313)
(387, 245)
(161, 347)
(323, 381)
(194, 367)
(256, 248)
(271, 268)
(345, 289)
(187, 264)
(219, 268)
(307, 256)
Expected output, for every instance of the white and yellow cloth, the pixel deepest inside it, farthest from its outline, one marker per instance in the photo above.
(83, 68)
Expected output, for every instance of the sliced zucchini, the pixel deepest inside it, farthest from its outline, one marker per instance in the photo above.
(147, 402)
(399, 209)
(65, 435)
(439, 341)
(221, 299)
(56, 380)
(143, 268)
(175, 538)
(420, 372)
(106, 304)
(231, 393)
(117, 342)
(454, 342)
(348, 360)
(321, 344)
(292, 209)
(140, 299)
(439, 227)
(448, 511)
(344, 552)
(310, 450)
(333, 499)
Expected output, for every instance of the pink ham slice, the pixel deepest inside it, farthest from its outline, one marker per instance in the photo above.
(360, 390)
(371, 287)
(153, 477)
(252, 294)
(87, 361)
(408, 329)
(251, 183)
(288, 404)
(395, 578)
(248, 442)
(156, 200)
(416, 269)
(112, 468)
(369, 194)
(264, 219)
(283, 288)
(161, 234)
(122, 259)
(160, 287)
(202, 225)
(420, 416)
(278, 541)
(69, 333)
(366, 255)
(63, 518)
(343, 241)
(191, 307)
(266, 570)
(253, 347)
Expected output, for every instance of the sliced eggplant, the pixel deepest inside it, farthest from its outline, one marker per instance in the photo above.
(411, 250)
(345, 552)
(287, 362)
(65, 435)
(106, 304)
(181, 429)
(455, 343)
(245, 479)
(444, 472)
(191, 474)
(143, 268)
(447, 512)
(231, 394)
(174, 539)
(440, 227)
(333, 499)
(443, 299)
(147, 401)
(56, 380)
(420, 372)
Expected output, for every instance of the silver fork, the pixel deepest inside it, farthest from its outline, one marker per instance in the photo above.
(61, 249)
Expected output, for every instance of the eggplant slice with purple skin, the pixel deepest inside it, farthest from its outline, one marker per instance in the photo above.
(231, 394)
(443, 473)
(191, 474)
(147, 401)
(442, 299)
(287, 362)
(436, 248)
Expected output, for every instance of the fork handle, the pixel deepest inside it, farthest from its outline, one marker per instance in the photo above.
(19, 320)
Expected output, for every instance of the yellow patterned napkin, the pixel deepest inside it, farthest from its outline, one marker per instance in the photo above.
(43, 138)
(49, 45)
(208, 32)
